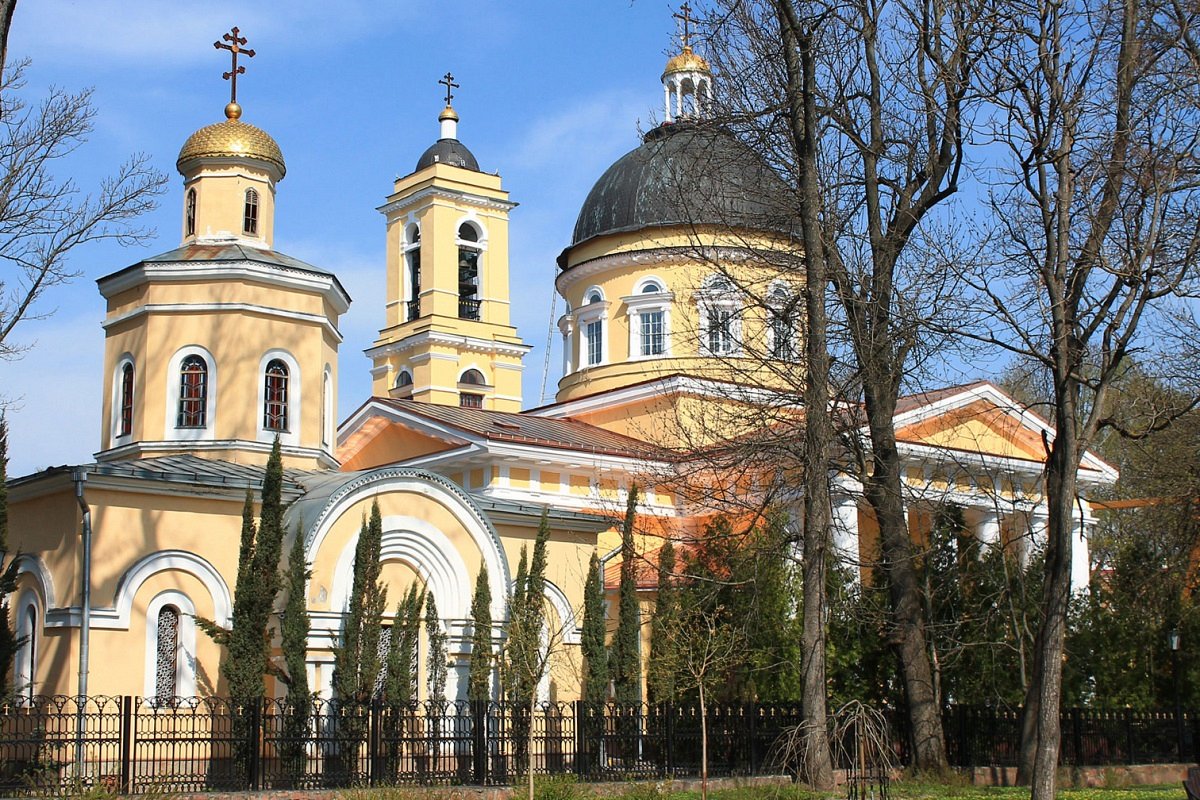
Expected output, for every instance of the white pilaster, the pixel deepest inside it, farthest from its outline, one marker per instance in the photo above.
(844, 521)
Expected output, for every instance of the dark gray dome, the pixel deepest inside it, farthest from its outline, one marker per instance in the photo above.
(447, 151)
(685, 174)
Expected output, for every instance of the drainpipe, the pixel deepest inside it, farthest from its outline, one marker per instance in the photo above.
(85, 626)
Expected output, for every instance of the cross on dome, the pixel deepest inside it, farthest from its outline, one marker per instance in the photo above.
(234, 47)
(448, 81)
(686, 18)
(687, 79)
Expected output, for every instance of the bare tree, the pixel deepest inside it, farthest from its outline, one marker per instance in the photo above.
(1095, 211)
(882, 110)
(44, 218)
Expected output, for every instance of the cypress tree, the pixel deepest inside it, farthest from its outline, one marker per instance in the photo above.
(294, 627)
(436, 664)
(240, 642)
(525, 663)
(3, 486)
(357, 663)
(625, 666)
(401, 683)
(595, 654)
(515, 641)
(479, 670)
(661, 671)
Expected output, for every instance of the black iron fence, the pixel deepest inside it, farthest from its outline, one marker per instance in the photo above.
(134, 745)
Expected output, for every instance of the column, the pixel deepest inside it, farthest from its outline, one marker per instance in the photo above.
(1081, 564)
(987, 530)
(844, 522)
(1039, 527)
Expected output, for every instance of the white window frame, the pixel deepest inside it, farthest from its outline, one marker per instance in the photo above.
(592, 313)
(26, 657)
(775, 303)
(115, 438)
(185, 657)
(177, 434)
(719, 294)
(326, 407)
(292, 435)
(641, 302)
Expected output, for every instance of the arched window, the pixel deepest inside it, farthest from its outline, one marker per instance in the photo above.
(193, 393)
(166, 687)
(412, 257)
(468, 272)
(250, 214)
(26, 662)
(782, 310)
(595, 297)
(125, 423)
(404, 379)
(649, 313)
(473, 377)
(189, 213)
(275, 396)
(651, 287)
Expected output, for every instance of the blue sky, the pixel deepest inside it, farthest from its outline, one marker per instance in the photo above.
(552, 92)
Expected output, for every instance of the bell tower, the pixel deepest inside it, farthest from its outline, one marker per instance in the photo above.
(448, 339)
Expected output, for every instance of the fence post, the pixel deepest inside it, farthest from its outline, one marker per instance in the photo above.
(670, 738)
(479, 742)
(127, 745)
(373, 741)
(752, 732)
(1129, 735)
(254, 744)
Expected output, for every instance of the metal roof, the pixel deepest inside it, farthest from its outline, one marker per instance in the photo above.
(447, 151)
(500, 426)
(185, 469)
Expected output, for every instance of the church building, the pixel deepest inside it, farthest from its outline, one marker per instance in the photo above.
(681, 288)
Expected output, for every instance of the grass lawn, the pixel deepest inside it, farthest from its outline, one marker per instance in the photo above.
(928, 791)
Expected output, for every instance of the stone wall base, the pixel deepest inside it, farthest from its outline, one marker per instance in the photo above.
(1106, 777)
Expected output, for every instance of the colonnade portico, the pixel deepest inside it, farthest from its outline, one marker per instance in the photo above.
(1018, 524)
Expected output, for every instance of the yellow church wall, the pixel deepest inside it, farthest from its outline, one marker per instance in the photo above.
(390, 444)
(118, 657)
(220, 201)
(978, 427)
(154, 340)
(49, 525)
(210, 527)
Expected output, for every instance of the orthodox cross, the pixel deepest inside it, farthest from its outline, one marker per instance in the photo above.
(686, 18)
(448, 81)
(234, 47)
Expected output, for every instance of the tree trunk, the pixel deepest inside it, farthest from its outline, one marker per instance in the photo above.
(801, 70)
(908, 633)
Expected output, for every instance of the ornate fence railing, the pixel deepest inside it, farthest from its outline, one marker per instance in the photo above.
(134, 745)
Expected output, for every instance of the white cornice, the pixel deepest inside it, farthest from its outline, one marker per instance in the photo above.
(270, 274)
(650, 257)
(671, 384)
(194, 308)
(151, 448)
(443, 193)
(460, 341)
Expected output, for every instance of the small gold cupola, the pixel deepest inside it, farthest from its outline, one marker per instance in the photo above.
(687, 79)
(229, 173)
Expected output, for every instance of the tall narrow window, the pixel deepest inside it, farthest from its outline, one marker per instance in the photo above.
(275, 397)
(468, 273)
(250, 215)
(413, 257)
(167, 657)
(653, 333)
(783, 338)
(27, 662)
(720, 331)
(595, 342)
(193, 393)
(126, 426)
(189, 213)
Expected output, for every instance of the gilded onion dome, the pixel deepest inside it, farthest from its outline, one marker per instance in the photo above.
(231, 139)
(686, 61)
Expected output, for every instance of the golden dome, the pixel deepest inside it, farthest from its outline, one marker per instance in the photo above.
(687, 61)
(231, 139)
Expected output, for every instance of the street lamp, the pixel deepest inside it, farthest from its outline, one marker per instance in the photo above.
(1173, 642)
